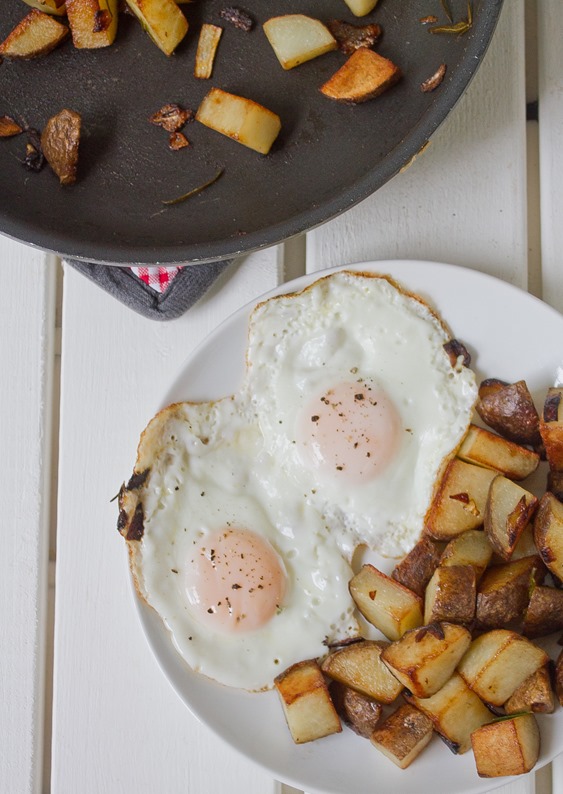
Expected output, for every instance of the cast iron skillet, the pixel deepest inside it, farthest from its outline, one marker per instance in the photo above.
(327, 157)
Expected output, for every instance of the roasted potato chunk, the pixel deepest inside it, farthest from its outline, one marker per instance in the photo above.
(297, 38)
(308, 709)
(359, 666)
(504, 592)
(385, 603)
(162, 20)
(506, 746)
(509, 409)
(361, 7)
(451, 595)
(525, 547)
(534, 694)
(243, 120)
(424, 659)
(469, 548)
(498, 662)
(403, 735)
(416, 569)
(551, 428)
(456, 711)
(548, 533)
(494, 452)
(460, 500)
(56, 7)
(555, 483)
(60, 141)
(508, 511)
(365, 75)
(37, 34)
(359, 712)
(544, 614)
(93, 23)
(207, 44)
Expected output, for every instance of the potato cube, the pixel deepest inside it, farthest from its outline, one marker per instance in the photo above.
(207, 44)
(548, 533)
(456, 711)
(365, 75)
(534, 694)
(56, 7)
(424, 659)
(241, 119)
(469, 548)
(506, 746)
(306, 702)
(93, 23)
(385, 603)
(403, 735)
(487, 449)
(416, 569)
(361, 7)
(544, 614)
(498, 662)
(509, 409)
(509, 509)
(451, 595)
(460, 500)
(37, 34)
(504, 591)
(551, 428)
(526, 546)
(162, 20)
(359, 712)
(359, 665)
(296, 38)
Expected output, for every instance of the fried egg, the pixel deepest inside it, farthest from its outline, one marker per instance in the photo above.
(225, 549)
(359, 403)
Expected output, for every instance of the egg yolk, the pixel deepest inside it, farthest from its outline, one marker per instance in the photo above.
(350, 431)
(236, 581)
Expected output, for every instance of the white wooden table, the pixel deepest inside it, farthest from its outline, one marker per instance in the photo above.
(83, 706)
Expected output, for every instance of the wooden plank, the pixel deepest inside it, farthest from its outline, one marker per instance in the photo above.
(117, 724)
(463, 200)
(26, 363)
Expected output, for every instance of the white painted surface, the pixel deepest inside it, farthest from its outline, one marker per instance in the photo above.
(26, 364)
(117, 725)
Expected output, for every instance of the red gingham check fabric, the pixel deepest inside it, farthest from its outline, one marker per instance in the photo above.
(157, 278)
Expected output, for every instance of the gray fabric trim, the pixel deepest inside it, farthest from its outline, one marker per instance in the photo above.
(186, 288)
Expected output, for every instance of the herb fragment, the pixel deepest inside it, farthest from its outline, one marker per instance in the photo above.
(34, 158)
(459, 28)
(447, 10)
(9, 127)
(172, 117)
(177, 141)
(195, 190)
(431, 83)
(237, 17)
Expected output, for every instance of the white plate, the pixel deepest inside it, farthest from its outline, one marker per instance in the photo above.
(511, 335)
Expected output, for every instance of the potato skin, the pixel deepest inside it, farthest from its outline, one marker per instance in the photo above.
(358, 711)
(509, 409)
(60, 141)
(416, 569)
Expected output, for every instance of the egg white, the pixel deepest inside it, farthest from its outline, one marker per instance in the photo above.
(351, 326)
(209, 470)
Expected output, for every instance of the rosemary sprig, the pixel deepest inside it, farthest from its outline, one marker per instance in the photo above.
(194, 191)
(457, 28)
